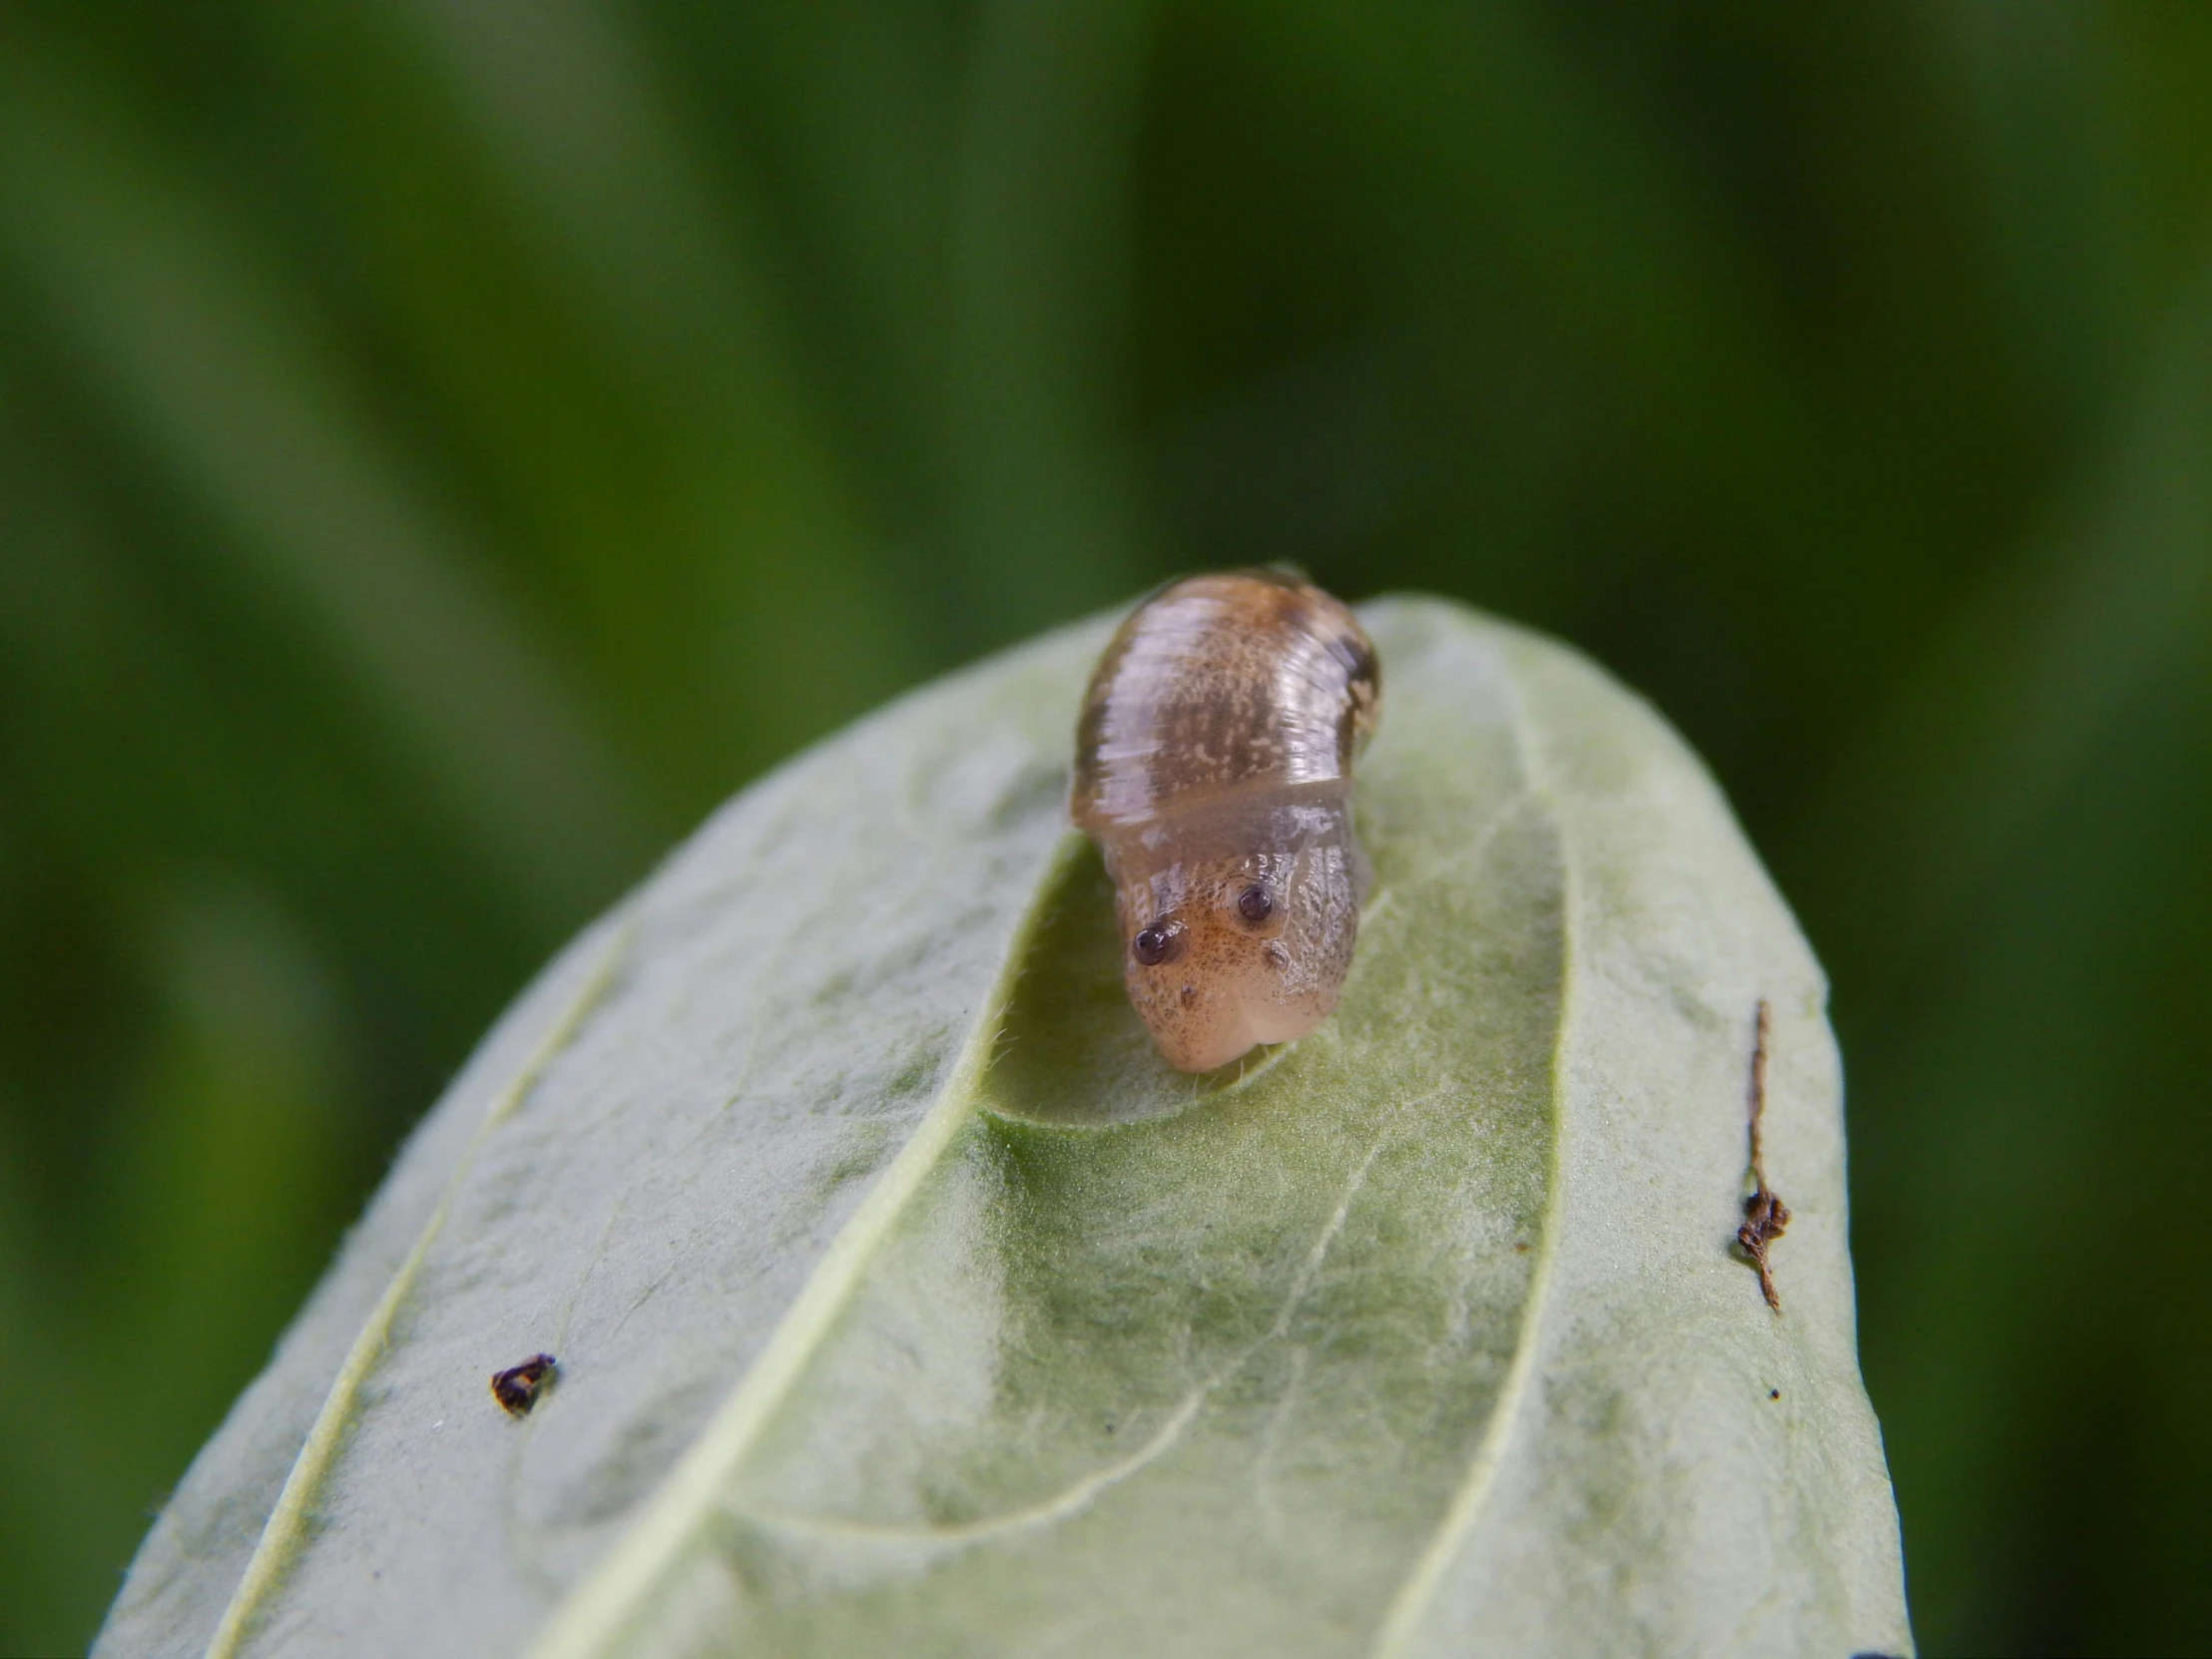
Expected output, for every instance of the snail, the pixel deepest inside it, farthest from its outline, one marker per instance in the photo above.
(1212, 768)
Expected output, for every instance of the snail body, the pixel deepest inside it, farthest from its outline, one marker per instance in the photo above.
(1212, 768)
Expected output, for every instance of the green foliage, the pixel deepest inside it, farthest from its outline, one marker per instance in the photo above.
(446, 448)
(905, 1301)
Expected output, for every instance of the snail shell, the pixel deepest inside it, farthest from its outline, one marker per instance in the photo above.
(1213, 767)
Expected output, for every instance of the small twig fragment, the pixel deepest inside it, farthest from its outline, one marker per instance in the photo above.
(1766, 1217)
(518, 1386)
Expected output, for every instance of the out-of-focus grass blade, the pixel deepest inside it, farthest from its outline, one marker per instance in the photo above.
(2011, 701)
(1039, 394)
(210, 360)
(1503, 161)
(791, 616)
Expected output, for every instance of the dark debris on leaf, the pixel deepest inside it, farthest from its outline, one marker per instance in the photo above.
(1766, 1217)
(518, 1386)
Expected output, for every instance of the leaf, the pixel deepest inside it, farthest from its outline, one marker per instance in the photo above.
(904, 1302)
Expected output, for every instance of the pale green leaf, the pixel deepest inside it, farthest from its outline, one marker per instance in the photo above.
(905, 1302)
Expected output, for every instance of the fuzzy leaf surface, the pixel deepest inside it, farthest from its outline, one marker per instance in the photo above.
(903, 1301)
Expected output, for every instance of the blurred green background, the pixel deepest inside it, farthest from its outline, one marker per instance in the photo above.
(447, 445)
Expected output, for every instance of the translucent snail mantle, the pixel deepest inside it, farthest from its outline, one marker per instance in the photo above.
(1213, 767)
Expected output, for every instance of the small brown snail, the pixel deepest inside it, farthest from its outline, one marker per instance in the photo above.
(1213, 767)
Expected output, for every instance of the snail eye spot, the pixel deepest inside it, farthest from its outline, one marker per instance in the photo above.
(1154, 944)
(1256, 904)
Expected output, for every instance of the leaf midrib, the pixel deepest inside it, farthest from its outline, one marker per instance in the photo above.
(587, 1623)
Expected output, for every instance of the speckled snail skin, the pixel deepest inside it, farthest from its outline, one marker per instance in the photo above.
(1213, 767)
